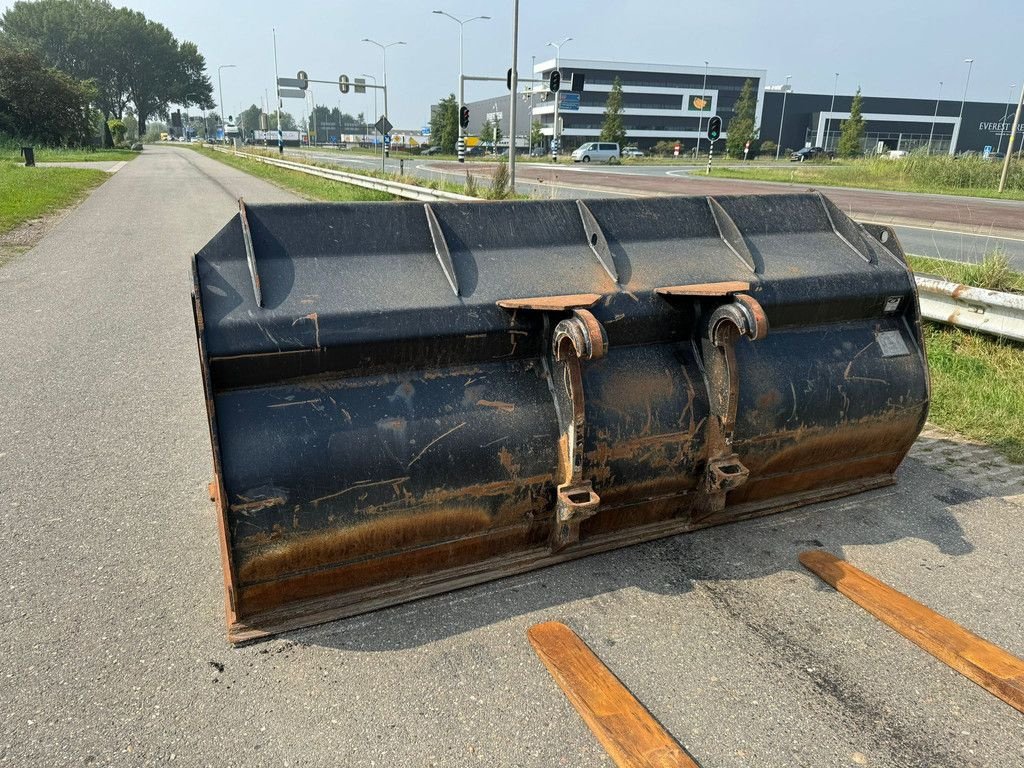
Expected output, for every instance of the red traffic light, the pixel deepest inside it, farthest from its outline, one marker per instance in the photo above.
(464, 117)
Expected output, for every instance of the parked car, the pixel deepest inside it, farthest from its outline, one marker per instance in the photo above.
(474, 151)
(812, 153)
(633, 152)
(432, 151)
(537, 152)
(598, 152)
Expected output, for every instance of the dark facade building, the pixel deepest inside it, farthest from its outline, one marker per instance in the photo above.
(890, 123)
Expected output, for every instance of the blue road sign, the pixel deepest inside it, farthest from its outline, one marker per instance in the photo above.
(569, 101)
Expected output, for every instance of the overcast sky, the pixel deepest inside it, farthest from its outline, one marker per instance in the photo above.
(889, 49)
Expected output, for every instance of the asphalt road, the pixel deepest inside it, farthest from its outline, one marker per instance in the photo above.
(112, 649)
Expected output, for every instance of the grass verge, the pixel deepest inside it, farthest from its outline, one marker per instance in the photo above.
(309, 187)
(976, 388)
(28, 193)
(969, 176)
(50, 155)
(993, 272)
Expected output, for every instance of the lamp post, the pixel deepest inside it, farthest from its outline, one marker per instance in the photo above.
(384, 50)
(831, 109)
(1006, 115)
(375, 115)
(555, 142)
(700, 117)
(963, 100)
(220, 91)
(785, 92)
(934, 117)
(462, 87)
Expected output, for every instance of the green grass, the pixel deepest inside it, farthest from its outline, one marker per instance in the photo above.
(28, 193)
(51, 155)
(976, 387)
(309, 187)
(993, 272)
(969, 176)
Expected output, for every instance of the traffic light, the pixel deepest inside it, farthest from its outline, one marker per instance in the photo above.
(555, 81)
(343, 83)
(508, 79)
(464, 117)
(303, 79)
(714, 128)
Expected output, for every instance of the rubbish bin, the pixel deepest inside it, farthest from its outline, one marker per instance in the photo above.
(29, 155)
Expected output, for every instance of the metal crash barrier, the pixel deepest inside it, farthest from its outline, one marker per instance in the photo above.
(408, 398)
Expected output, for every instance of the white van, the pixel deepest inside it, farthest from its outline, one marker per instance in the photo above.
(598, 152)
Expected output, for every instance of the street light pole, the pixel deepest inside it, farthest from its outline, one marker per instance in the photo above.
(220, 92)
(1013, 137)
(700, 117)
(384, 50)
(785, 93)
(1006, 115)
(963, 100)
(513, 95)
(934, 117)
(555, 141)
(461, 146)
(831, 109)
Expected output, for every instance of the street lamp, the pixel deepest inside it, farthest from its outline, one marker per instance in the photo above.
(1006, 115)
(375, 115)
(785, 92)
(384, 50)
(462, 93)
(831, 109)
(220, 91)
(700, 117)
(554, 126)
(934, 117)
(963, 100)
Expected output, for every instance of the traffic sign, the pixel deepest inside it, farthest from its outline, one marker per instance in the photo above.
(383, 127)
(289, 82)
(714, 128)
(569, 101)
(291, 93)
(360, 85)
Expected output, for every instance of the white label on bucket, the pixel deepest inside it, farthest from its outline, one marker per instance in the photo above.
(892, 303)
(891, 343)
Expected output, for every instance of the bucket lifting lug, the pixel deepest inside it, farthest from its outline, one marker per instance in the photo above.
(580, 337)
(724, 471)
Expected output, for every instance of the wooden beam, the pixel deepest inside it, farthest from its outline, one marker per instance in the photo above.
(625, 728)
(988, 665)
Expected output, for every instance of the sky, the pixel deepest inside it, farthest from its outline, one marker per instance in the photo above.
(888, 49)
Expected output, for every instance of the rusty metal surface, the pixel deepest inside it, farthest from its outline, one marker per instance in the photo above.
(429, 397)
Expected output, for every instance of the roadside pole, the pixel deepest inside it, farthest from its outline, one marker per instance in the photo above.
(512, 100)
(1013, 138)
(280, 136)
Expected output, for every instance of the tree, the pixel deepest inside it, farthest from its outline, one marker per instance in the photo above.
(852, 131)
(41, 103)
(249, 119)
(741, 128)
(536, 134)
(613, 128)
(117, 130)
(444, 124)
(491, 131)
(129, 58)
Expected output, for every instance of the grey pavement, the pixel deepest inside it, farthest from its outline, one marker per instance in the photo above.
(110, 166)
(112, 649)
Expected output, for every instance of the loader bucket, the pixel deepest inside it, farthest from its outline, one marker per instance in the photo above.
(408, 398)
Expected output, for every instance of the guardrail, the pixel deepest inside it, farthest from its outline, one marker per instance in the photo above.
(396, 188)
(976, 309)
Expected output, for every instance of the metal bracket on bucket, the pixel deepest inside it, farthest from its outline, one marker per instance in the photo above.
(724, 471)
(580, 337)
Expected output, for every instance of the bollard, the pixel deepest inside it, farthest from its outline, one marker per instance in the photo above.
(30, 156)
